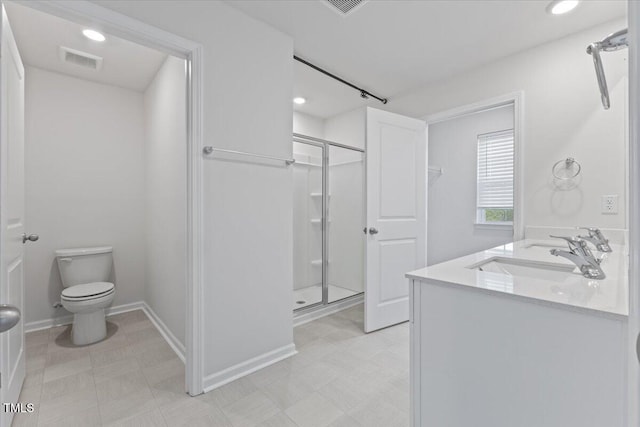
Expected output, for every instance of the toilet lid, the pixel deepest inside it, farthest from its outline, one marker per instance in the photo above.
(87, 290)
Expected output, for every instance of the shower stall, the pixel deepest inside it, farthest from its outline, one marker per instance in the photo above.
(328, 219)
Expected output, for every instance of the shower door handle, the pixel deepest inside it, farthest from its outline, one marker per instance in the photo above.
(373, 230)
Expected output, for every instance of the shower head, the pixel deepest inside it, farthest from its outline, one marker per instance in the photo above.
(612, 42)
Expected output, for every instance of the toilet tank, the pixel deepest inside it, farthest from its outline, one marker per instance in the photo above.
(84, 265)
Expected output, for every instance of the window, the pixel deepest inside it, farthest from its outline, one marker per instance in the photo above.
(495, 178)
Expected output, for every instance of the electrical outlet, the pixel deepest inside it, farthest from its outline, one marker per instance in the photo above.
(610, 204)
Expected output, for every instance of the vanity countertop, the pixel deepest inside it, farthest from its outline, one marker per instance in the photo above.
(609, 295)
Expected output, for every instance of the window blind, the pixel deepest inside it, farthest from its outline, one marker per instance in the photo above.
(495, 170)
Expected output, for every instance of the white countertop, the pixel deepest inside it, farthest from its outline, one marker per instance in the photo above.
(610, 295)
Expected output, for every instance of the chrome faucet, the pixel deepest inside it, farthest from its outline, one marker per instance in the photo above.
(596, 238)
(580, 254)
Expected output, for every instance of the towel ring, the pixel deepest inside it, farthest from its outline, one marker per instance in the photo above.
(561, 169)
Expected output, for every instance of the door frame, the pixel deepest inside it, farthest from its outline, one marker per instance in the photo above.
(633, 371)
(517, 99)
(119, 25)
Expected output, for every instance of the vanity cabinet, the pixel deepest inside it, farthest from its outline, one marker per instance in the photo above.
(491, 355)
(490, 360)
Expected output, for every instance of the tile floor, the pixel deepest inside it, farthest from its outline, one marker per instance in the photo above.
(340, 377)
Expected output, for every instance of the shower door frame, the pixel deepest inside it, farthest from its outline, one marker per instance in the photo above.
(325, 145)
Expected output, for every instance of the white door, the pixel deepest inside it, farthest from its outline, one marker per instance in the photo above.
(396, 213)
(12, 363)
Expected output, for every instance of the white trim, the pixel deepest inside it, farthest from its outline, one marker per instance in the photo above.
(125, 27)
(171, 339)
(195, 242)
(116, 24)
(415, 375)
(633, 374)
(494, 226)
(68, 319)
(247, 367)
(517, 99)
(475, 107)
(323, 311)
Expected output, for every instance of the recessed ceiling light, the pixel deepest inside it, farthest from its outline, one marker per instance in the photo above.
(558, 7)
(299, 100)
(94, 35)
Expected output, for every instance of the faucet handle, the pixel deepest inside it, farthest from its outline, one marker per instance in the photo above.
(597, 238)
(592, 230)
(576, 245)
(572, 241)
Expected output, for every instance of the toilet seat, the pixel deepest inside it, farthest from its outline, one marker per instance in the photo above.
(87, 291)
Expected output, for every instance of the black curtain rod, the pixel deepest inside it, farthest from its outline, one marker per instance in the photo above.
(363, 93)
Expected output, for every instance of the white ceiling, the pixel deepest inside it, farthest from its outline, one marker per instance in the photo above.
(391, 47)
(39, 36)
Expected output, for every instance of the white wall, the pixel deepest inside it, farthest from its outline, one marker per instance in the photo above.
(347, 128)
(84, 157)
(165, 149)
(247, 214)
(452, 195)
(563, 118)
(308, 125)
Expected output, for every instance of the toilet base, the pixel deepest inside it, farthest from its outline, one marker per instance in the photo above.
(88, 327)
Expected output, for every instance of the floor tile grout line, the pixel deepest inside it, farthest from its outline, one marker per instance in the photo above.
(314, 352)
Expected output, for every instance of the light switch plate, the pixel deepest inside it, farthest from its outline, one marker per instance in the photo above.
(610, 204)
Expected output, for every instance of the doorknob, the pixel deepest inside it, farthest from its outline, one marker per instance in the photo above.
(30, 238)
(373, 230)
(9, 317)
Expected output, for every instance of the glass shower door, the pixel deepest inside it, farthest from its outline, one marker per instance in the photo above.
(345, 240)
(308, 208)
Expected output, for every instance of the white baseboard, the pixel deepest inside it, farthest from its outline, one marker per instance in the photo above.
(317, 313)
(171, 339)
(247, 367)
(68, 319)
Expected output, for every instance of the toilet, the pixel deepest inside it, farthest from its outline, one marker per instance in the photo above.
(84, 273)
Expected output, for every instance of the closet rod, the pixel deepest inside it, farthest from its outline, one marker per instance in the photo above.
(209, 149)
(363, 93)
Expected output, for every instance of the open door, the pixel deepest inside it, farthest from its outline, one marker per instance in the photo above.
(12, 357)
(396, 214)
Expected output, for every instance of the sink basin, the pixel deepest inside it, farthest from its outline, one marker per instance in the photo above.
(525, 268)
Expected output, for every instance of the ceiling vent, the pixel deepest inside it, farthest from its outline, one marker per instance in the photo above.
(81, 59)
(344, 7)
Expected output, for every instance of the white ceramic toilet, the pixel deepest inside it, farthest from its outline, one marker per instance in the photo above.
(84, 273)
